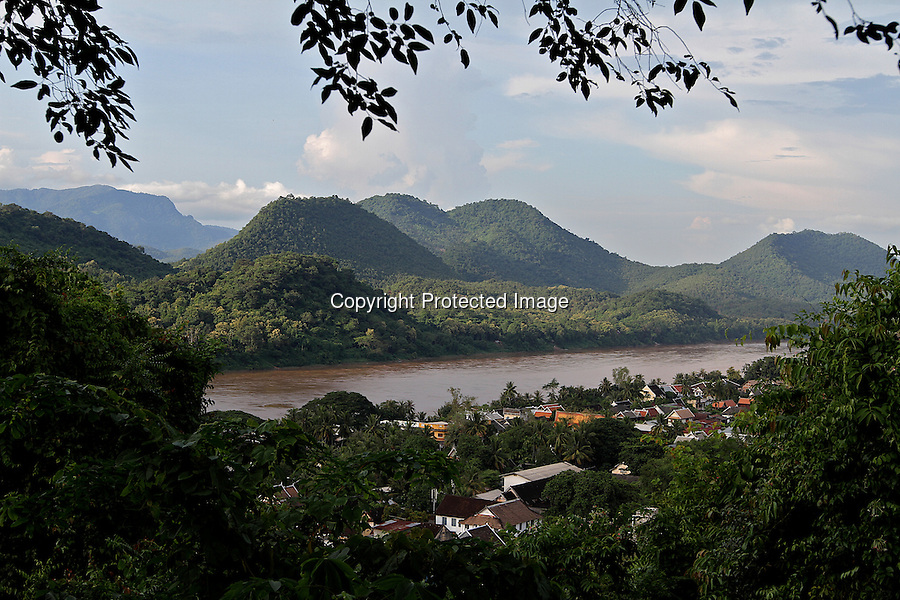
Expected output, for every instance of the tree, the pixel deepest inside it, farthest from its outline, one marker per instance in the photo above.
(815, 500)
(102, 496)
(75, 59)
(58, 321)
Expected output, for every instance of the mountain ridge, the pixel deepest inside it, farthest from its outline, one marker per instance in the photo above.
(332, 226)
(38, 233)
(509, 239)
(147, 220)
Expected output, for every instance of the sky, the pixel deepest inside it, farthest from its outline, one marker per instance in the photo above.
(228, 120)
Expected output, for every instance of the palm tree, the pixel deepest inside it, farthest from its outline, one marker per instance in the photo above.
(578, 449)
(557, 437)
(478, 424)
(509, 395)
(552, 389)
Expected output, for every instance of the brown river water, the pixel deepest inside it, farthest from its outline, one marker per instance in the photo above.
(271, 393)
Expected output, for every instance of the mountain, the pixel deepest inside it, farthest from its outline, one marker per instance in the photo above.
(510, 240)
(139, 219)
(778, 276)
(506, 240)
(37, 233)
(334, 227)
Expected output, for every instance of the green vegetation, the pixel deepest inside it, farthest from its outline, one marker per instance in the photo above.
(504, 239)
(143, 220)
(37, 233)
(778, 277)
(331, 227)
(114, 483)
(276, 311)
(110, 484)
(509, 240)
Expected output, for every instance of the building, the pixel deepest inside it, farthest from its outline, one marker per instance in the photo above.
(513, 514)
(453, 510)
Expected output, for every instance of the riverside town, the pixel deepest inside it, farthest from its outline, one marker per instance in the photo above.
(428, 300)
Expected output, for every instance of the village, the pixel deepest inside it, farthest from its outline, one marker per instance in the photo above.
(661, 416)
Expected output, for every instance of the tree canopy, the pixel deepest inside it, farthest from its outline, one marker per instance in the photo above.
(76, 60)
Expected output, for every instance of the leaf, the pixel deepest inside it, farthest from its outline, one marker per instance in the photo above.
(300, 13)
(699, 15)
(464, 57)
(366, 127)
(748, 4)
(679, 5)
(470, 19)
(407, 12)
(424, 33)
(535, 35)
(25, 84)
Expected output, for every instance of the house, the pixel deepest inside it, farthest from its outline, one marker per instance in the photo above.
(485, 534)
(438, 429)
(625, 414)
(536, 474)
(389, 527)
(576, 417)
(545, 411)
(505, 514)
(680, 414)
(453, 510)
(513, 413)
(652, 393)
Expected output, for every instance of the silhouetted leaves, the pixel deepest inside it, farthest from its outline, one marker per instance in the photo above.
(75, 60)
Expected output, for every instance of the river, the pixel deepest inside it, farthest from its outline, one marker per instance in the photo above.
(271, 393)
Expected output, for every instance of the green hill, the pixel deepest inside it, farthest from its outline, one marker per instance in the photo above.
(276, 310)
(36, 233)
(510, 240)
(778, 276)
(507, 240)
(333, 227)
(139, 219)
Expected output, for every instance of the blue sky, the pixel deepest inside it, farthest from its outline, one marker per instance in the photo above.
(227, 121)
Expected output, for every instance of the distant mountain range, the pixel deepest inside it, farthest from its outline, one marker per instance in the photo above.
(510, 240)
(144, 220)
(385, 237)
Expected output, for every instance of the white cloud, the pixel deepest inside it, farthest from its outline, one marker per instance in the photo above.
(431, 156)
(531, 85)
(701, 223)
(774, 225)
(55, 169)
(513, 154)
(517, 144)
(227, 204)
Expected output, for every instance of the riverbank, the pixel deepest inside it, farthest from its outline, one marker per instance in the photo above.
(425, 382)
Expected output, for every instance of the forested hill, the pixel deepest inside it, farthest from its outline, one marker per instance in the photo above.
(506, 240)
(38, 233)
(510, 240)
(333, 227)
(778, 276)
(139, 219)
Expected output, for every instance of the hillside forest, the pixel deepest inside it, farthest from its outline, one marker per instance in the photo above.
(263, 297)
(115, 481)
